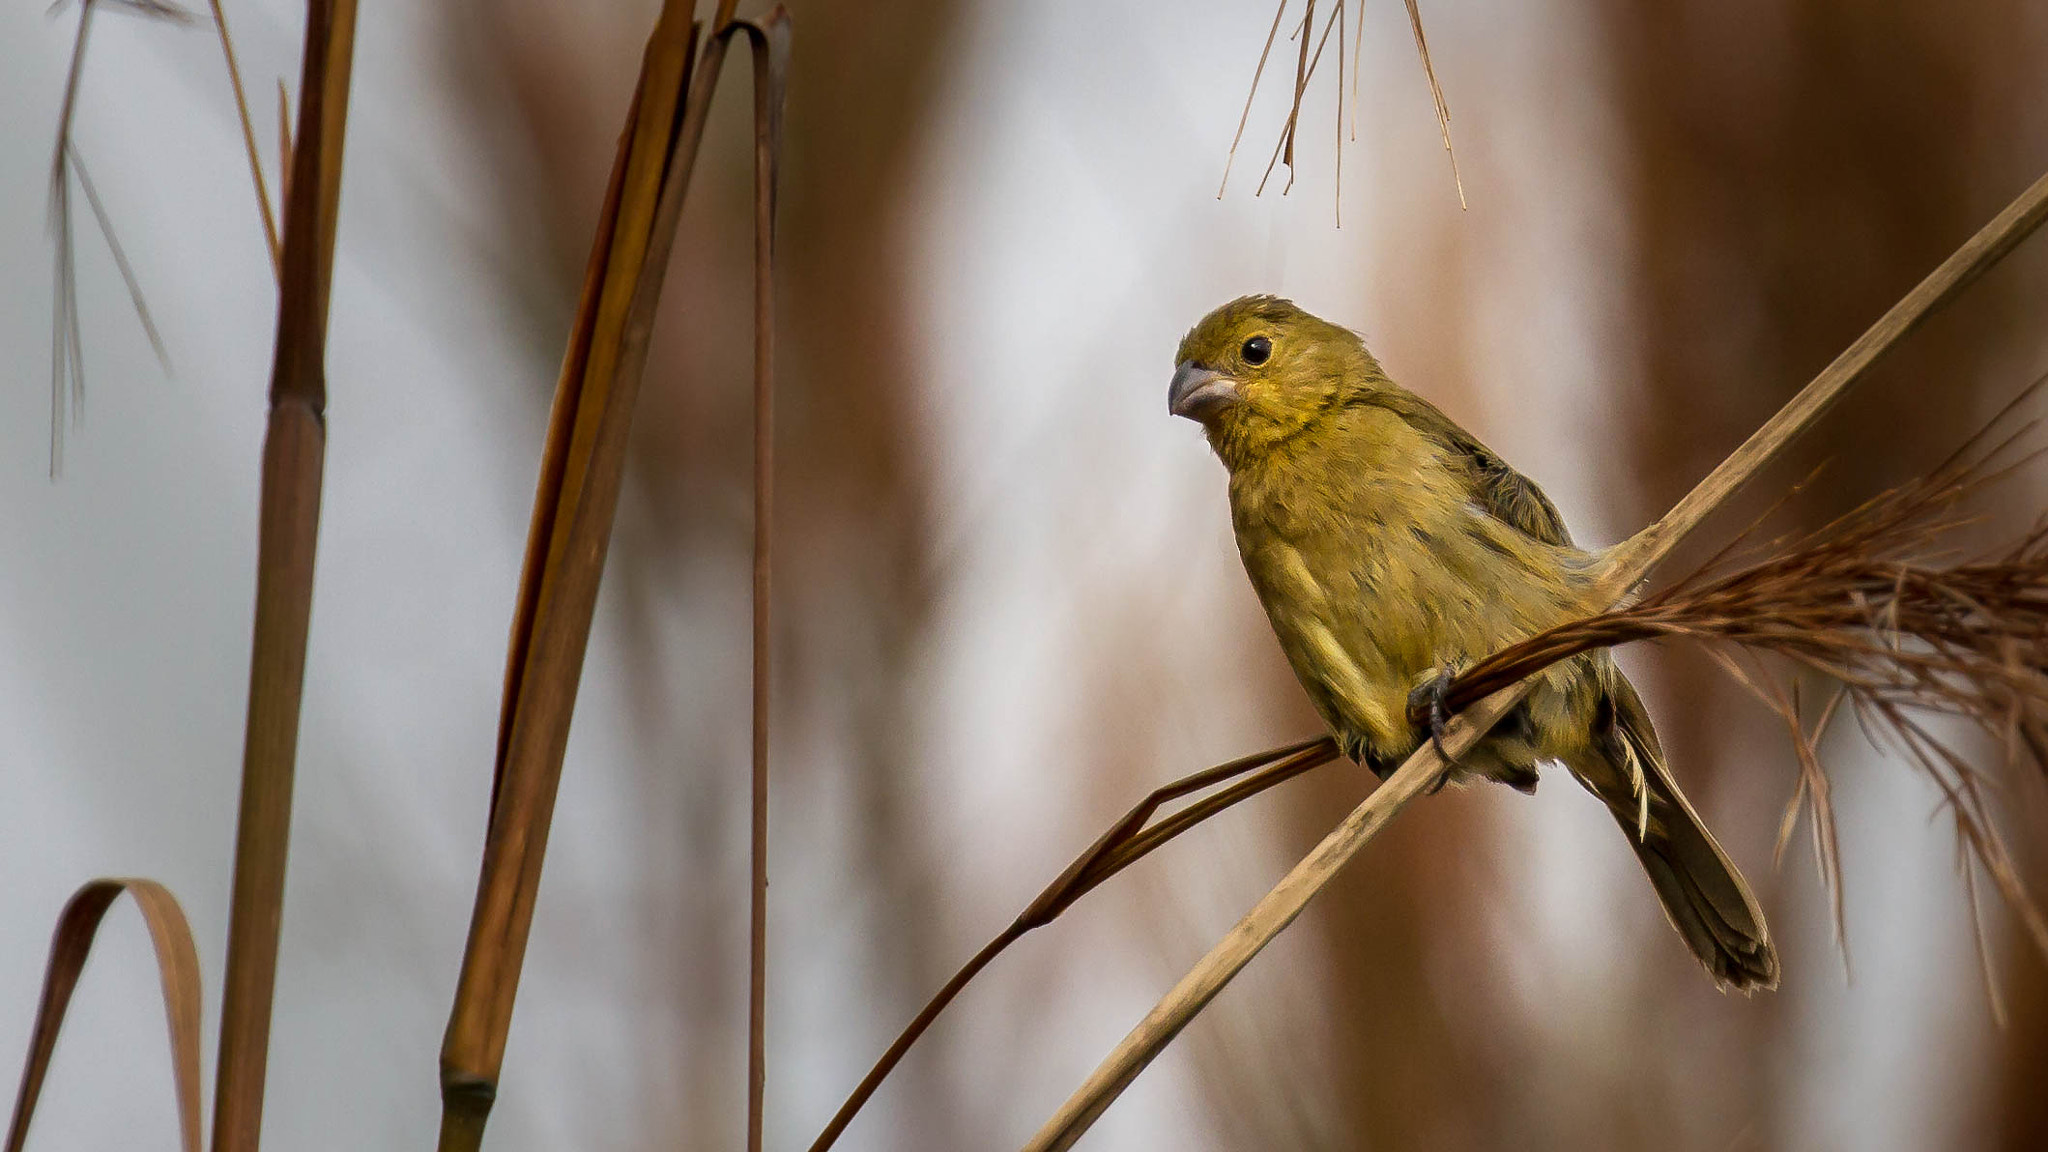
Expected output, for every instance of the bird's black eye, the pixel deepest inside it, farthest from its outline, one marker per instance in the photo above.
(1257, 350)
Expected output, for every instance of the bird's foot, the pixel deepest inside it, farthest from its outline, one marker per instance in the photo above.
(1429, 702)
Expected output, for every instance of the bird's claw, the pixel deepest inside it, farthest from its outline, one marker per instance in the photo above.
(1439, 690)
(1430, 699)
(1439, 715)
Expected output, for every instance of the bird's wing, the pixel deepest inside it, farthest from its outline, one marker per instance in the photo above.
(1508, 495)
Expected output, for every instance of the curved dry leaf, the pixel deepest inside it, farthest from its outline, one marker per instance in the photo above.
(177, 964)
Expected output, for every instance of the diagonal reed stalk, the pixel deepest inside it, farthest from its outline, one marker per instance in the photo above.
(577, 495)
(294, 448)
(1127, 841)
(1623, 569)
(177, 965)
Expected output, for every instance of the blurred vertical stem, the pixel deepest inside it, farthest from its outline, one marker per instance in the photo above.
(293, 451)
(577, 495)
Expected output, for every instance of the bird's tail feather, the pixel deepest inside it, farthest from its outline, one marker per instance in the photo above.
(1704, 896)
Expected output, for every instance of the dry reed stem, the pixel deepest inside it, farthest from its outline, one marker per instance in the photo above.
(1623, 568)
(577, 495)
(177, 965)
(771, 46)
(294, 448)
(1128, 840)
(573, 508)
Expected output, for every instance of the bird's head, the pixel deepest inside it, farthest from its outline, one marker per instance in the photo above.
(1258, 370)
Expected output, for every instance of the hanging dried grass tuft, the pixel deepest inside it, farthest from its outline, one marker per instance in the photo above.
(67, 345)
(1305, 70)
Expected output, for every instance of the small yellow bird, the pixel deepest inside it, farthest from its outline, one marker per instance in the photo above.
(1390, 547)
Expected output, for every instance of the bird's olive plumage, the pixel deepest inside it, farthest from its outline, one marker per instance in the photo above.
(1388, 545)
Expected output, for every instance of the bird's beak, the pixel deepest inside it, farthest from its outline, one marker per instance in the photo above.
(1198, 392)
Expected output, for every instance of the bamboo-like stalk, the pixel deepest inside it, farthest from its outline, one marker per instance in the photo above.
(577, 495)
(1624, 567)
(288, 527)
(573, 508)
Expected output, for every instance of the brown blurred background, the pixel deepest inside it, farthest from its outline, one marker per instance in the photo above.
(1008, 604)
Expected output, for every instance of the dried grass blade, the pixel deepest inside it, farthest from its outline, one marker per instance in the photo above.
(120, 255)
(1827, 852)
(1277, 909)
(1992, 998)
(227, 48)
(1357, 65)
(1301, 31)
(1436, 93)
(177, 964)
(294, 450)
(1121, 846)
(1626, 566)
(573, 508)
(1286, 142)
(284, 141)
(1301, 75)
(1339, 181)
(1813, 788)
(1245, 117)
(67, 354)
